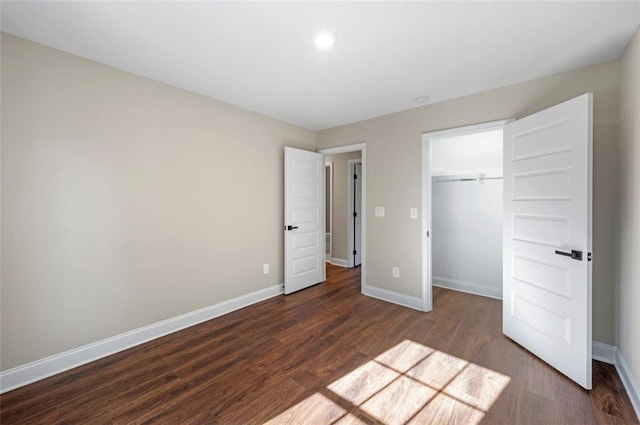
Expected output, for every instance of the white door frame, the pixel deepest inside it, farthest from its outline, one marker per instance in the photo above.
(350, 247)
(427, 138)
(328, 167)
(362, 147)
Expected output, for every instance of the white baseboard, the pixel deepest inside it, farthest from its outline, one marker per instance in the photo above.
(603, 352)
(43, 368)
(341, 262)
(630, 384)
(468, 287)
(393, 297)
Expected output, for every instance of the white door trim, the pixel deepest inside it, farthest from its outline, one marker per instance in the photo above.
(362, 147)
(427, 138)
(329, 198)
(350, 165)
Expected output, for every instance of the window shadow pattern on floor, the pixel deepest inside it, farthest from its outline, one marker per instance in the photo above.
(408, 384)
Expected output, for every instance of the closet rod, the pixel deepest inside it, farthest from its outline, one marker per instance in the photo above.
(463, 179)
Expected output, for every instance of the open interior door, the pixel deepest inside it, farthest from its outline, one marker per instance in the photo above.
(357, 214)
(304, 211)
(547, 236)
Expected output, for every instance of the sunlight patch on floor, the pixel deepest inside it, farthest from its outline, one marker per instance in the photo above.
(404, 356)
(407, 384)
(363, 382)
(437, 370)
(316, 409)
(477, 386)
(350, 420)
(399, 401)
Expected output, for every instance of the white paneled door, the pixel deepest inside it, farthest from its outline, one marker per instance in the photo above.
(357, 213)
(357, 242)
(547, 236)
(304, 211)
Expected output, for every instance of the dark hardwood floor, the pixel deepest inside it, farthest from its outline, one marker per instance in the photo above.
(327, 355)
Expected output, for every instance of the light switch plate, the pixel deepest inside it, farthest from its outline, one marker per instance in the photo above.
(413, 213)
(395, 272)
(265, 268)
(379, 211)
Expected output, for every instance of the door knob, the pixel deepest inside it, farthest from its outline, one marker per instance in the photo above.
(575, 255)
(291, 227)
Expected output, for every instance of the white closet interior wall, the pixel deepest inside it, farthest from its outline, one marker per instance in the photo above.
(467, 213)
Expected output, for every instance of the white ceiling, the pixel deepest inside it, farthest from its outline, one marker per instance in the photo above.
(260, 55)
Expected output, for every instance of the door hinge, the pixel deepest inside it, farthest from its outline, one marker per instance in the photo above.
(355, 214)
(588, 256)
(355, 252)
(355, 177)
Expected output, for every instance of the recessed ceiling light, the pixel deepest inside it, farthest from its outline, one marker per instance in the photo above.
(325, 40)
(422, 99)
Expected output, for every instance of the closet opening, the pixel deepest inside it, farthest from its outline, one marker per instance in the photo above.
(462, 210)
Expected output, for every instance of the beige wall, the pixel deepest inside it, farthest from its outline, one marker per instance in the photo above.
(394, 173)
(340, 201)
(629, 271)
(118, 209)
(126, 201)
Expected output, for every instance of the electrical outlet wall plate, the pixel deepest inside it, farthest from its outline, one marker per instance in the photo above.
(395, 272)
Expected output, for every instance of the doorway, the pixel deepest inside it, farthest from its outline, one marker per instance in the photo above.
(462, 210)
(348, 235)
(345, 206)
